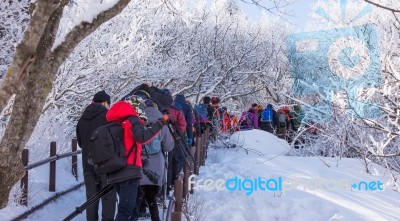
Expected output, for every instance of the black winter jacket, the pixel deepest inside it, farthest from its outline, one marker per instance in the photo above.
(93, 117)
(181, 104)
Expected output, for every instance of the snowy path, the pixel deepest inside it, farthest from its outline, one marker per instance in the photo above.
(299, 203)
(62, 207)
(311, 197)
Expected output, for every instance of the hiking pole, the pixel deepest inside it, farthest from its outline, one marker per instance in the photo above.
(165, 184)
(89, 202)
(181, 144)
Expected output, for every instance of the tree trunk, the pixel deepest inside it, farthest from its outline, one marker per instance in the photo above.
(27, 108)
(37, 84)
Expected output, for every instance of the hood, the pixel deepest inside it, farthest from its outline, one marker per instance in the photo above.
(120, 110)
(93, 110)
(252, 110)
(206, 100)
(168, 102)
(180, 98)
(152, 114)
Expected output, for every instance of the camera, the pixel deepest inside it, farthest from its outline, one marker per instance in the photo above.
(153, 176)
(335, 60)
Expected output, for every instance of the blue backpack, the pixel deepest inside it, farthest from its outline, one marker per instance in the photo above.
(267, 116)
(201, 112)
(282, 120)
(153, 147)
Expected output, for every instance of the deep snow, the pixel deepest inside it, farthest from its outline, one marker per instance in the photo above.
(259, 154)
(266, 158)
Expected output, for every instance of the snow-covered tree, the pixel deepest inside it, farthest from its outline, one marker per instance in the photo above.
(178, 40)
(30, 75)
(372, 138)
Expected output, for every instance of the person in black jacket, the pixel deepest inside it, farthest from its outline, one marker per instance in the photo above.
(210, 109)
(93, 117)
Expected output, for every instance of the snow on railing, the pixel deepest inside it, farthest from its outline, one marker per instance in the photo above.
(181, 190)
(52, 160)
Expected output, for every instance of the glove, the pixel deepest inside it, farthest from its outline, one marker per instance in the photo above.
(167, 118)
(170, 117)
(189, 141)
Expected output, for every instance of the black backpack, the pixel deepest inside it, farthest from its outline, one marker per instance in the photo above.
(106, 148)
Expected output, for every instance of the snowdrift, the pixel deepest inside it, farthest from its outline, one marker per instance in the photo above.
(312, 188)
(260, 141)
(292, 188)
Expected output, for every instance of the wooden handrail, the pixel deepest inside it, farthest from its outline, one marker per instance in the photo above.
(181, 191)
(52, 160)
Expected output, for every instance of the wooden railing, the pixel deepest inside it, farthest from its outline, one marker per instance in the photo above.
(52, 172)
(181, 192)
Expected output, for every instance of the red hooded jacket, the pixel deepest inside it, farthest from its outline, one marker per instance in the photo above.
(118, 112)
(135, 134)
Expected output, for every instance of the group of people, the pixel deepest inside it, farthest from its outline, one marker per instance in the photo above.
(145, 116)
(282, 122)
(146, 138)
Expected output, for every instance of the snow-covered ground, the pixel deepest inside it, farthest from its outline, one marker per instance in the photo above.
(323, 190)
(38, 192)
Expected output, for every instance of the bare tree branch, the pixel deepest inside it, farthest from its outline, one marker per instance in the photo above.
(81, 31)
(25, 51)
(382, 6)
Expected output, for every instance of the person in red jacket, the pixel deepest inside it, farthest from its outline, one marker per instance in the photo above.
(175, 157)
(178, 115)
(226, 122)
(126, 180)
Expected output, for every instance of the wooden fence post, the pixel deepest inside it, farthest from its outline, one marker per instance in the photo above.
(74, 159)
(177, 214)
(203, 136)
(200, 149)
(197, 155)
(186, 174)
(52, 176)
(206, 144)
(24, 180)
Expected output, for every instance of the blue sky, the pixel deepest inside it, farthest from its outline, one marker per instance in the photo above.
(300, 10)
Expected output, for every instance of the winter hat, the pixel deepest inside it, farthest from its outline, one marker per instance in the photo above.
(101, 96)
(215, 100)
(166, 91)
(254, 105)
(137, 102)
(206, 100)
(269, 106)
